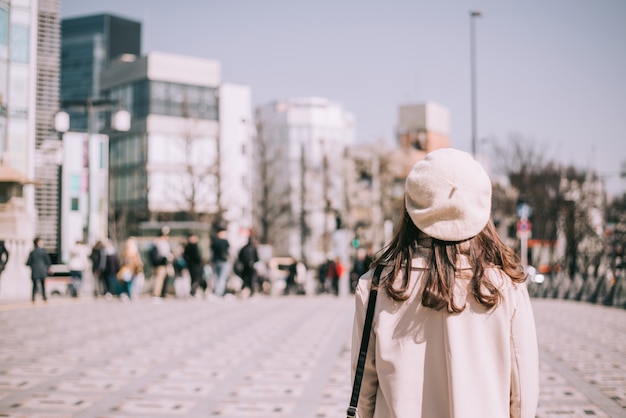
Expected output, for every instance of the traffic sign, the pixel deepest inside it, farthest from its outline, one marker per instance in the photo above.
(524, 225)
(524, 211)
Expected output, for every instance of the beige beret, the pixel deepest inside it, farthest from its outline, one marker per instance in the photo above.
(448, 195)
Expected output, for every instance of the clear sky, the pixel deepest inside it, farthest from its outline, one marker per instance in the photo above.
(551, 71)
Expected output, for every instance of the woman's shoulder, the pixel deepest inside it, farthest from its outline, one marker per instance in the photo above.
(503, 281)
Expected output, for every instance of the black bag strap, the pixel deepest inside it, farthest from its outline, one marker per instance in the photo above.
(367, 327)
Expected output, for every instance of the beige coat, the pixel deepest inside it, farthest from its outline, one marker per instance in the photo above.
(432, 364)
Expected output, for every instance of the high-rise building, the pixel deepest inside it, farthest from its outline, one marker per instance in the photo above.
(18, 69)
(46, 139)
(300, 197)
(89, 44)
(18, 113)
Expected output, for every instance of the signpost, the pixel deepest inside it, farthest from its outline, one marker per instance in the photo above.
(524, 228)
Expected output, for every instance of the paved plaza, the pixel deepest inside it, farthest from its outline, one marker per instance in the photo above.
(261, 357)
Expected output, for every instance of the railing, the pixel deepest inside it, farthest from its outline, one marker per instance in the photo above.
(607, 289)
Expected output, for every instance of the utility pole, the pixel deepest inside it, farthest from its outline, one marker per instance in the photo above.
(327, 207)
(473, 15)
(303, 228)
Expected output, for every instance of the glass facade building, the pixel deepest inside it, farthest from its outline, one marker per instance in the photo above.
(186, 156)
(89, 43)
(164, 98)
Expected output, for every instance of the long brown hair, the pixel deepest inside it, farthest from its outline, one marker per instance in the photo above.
(485, 250)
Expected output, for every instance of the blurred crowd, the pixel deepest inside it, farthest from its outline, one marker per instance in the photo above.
(182, 268)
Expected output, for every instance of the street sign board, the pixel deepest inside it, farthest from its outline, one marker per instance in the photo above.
(524, 211)
(524, 225)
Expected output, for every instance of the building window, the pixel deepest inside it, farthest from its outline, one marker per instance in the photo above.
(74, 204)
(173, 99)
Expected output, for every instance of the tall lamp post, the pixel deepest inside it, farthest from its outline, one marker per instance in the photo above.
(473, 15)
(120, 121)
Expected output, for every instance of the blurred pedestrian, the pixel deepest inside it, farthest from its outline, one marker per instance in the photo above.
(4, 257)
(161, 258)
(339, 270)
(290, 279)
(98, 259)
(77, 264)
(360, 266)
(248, 256)
(333, 270)
(453, 332)
(131, 267)
(39, 263)
(220, 248)
(111, 268)
(322, 275)
(195, 266)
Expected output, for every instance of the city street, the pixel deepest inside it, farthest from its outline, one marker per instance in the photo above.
(261, 357)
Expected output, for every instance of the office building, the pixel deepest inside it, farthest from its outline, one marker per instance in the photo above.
(89, 44)
(301, 184)
(186, 159)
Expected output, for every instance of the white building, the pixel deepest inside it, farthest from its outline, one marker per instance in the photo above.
(19, 89)
(300, 196)
(187, 154)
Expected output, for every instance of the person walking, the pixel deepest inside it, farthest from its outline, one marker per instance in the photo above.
(98, 259)
(336, 273)
(161, 258)
(131, 267)
(195, 266)
(4, 257)
(248, 256)
(77, 264)
(111, 268)
(453, 332)
(360, 266)
(39, 263)
(220, 248)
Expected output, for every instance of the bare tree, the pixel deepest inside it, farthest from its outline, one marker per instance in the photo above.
(197, 179)
(272, 198)
(563, 199)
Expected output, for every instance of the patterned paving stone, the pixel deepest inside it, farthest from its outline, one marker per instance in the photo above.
(109, 371)
(265, 357)
(88, 384)
(330, 410)
(18, 382)
(567, 409)
(241, 409)
(191, 372)
(168, 388)
(55, 401)
(154, 406)
(267, 390)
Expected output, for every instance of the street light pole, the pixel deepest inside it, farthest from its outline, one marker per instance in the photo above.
(120, 121)
(473, 15)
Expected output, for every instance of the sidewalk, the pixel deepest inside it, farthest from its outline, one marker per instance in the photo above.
(261, 357)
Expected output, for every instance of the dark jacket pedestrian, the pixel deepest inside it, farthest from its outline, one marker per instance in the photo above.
(193, 259)
(220, 248)
(248, 257)
(98, 260)
(39, 263)
(111, 268)
(4, 256)
(360, 266)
